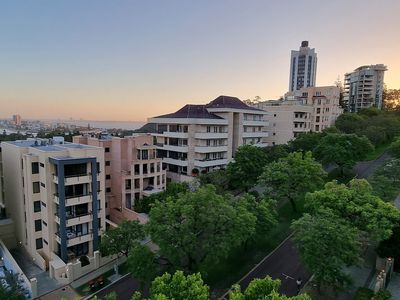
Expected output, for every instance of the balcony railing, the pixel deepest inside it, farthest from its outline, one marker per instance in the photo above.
(69, 216)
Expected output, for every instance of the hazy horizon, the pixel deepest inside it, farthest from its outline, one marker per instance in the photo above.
(127, 60)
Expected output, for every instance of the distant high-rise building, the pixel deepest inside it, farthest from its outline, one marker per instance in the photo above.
(17, 120)
(303, 67)
(364, 87)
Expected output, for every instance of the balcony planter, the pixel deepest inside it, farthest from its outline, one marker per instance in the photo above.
(195, 172)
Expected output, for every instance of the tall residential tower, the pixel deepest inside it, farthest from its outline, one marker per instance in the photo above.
(303, 67)
(364, 87)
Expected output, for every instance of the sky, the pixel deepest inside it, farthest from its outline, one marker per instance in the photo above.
(130, 60)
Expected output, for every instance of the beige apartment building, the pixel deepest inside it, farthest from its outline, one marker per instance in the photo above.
(201, 138)
(133, 171)
(54, 193)
(308, 109)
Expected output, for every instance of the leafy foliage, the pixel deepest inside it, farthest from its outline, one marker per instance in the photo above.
(141, 264)
(247, 165)
(342, 149)
(349, 123)
(391, 247)
(394, 148)
(326, 244)
(199, 226)
(122, 239)
(357, 205)
(391, 99)
(276, 152)
(292, 177)
(305, 142)
(217, 178)
(259, 289)
(12, 290)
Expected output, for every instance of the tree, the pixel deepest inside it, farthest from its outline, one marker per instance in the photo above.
(349, 123)
(391, 99)
(142, 264)
(394, 148)
(179, 286)
(198, 227)
(375, 134)
(265, 288)
(305, 141)
(357, 205)
(217, 178)
(11, 287)
(383, 187)
(342, 149)
(276, 152)
(247, 165)
(122, 239)
(292, 177)
(327, 244)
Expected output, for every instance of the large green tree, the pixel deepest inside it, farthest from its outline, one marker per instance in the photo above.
(262, 289)
(122, 239)
(305, 141)
(394, 148)
(217, 178)
(247, 165)
(349, 123)
(292, 177)
(142, 264)
(357, 205)
(342, 149)
(327, 244)
(386, 180)
(197, 227)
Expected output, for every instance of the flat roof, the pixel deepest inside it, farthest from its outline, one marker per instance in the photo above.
(48, 147)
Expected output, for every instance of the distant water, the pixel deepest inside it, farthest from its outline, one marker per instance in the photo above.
(104, 124)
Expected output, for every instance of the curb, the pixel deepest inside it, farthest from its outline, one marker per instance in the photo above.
(257, 265)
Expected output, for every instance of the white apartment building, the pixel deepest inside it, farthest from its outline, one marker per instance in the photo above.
(54, 193)
(308, 109)
(303, 67)
(205, 137)
(364, 87)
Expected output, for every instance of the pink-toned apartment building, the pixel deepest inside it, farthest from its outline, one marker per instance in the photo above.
(132, 172)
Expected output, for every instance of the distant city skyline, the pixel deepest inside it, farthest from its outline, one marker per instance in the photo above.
(128, 60)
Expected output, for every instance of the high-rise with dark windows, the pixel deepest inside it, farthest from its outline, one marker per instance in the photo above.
(303, 67)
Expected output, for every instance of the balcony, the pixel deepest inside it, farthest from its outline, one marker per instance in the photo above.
(74, 179)
(177, 162)
(210, 162)
(209, 149)
(172, 134)
(255, 123)
(211, 135)
(255, 134)
(173, 148)
(74, 200)
(74, 238)
(72, 220)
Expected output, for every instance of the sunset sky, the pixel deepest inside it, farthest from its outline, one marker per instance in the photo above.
(130, 60)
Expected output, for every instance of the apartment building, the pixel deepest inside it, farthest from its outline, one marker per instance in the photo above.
(303, 67)
(54, 193)
(304, 110)
(200, 138)
(364, 87)
(133, 171)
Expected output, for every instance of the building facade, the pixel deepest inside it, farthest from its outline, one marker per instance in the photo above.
(201, 138)
(308, 109)
(54, 193)
(303, 67)
(364, 87)
(133, 171)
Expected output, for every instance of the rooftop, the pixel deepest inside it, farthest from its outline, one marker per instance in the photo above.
(229, 102)
(47, 145)
(191, 111)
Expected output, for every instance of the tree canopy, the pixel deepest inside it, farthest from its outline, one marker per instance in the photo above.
(349, 122)
(262, 289)
(327, 244)
(247, 165)
(122, 239)
(305, 141)
(357, 205)
(342, 149)
(292, 177)
(198, 227)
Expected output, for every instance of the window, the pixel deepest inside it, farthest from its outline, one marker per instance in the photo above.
(36, 187)
(36, 206)
(39, 244)
(108, 163)
(317, 119)
(98, 167)
(274, 115)
(107, 149)
(38, 225)
(42, 165)
(45, 242)
(274, 133)
(108, 176)
(44, 223)
(208, 128)
(35, 168)
(43, 204)
(318, 110)
(108, 190)
(42, 184)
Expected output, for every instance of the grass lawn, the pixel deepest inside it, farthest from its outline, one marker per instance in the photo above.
(221, 276)
(378, 151)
